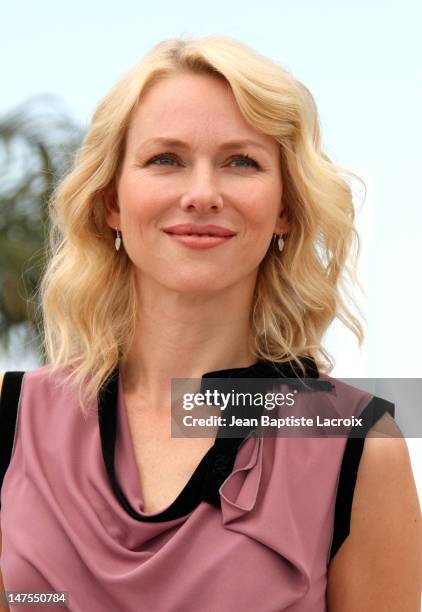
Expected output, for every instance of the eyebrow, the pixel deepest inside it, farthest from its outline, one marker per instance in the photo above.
(175, 142)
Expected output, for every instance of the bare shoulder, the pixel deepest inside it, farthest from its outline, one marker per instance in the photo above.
(379, 565)
(1, 381)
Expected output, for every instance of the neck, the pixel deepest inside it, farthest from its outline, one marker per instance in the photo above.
(185, 336)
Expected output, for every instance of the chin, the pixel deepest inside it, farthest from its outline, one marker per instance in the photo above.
(196, 287)
(199, 284)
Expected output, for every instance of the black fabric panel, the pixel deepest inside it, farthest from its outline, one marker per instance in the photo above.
(9, 401)
(376, 408)
(189, 497)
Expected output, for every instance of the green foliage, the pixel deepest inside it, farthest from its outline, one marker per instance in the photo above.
(38, 140)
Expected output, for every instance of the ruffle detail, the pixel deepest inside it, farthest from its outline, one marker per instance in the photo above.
(240, 489)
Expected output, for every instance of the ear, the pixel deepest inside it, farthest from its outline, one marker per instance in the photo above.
(282, 225)
(111, 207)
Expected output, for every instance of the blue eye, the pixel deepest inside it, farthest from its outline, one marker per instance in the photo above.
(246, 158)
(166, 156)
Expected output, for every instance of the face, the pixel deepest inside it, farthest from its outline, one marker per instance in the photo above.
(182, 166)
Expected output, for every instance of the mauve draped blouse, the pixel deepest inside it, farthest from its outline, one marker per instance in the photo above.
(71, 512)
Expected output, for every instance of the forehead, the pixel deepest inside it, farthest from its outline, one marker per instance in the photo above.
(195, 107)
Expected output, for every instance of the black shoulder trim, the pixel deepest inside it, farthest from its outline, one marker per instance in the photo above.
(9, 401)
(349, 468)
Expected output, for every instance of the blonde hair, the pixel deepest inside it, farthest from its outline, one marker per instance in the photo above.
(88, 298)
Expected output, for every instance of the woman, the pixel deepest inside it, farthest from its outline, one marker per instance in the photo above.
(202, 233)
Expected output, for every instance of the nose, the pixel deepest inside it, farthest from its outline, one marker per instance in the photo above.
(202, 192)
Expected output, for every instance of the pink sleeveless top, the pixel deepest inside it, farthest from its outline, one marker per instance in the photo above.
(262, 542)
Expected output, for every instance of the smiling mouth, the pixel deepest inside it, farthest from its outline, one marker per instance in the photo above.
(198, 235)
(200, 241)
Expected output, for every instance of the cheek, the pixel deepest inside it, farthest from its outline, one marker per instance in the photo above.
(138, 207)
(261, 202)
(260, 216)
(260, 219)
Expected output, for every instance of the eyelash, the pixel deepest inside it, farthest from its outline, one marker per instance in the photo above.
(242, 156)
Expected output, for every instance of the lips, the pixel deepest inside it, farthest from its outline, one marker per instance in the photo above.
(189, 229)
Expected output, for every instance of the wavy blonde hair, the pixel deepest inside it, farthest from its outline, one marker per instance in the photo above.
(88, 297)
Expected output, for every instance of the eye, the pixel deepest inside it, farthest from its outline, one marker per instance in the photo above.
(161, 156)
(250, 161)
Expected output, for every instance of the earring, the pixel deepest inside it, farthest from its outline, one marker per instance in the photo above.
(118, 240)
(280, 242)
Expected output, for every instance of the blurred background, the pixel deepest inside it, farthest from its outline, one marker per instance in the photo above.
(362, 63)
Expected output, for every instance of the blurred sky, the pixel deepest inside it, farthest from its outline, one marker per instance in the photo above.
(361, 61)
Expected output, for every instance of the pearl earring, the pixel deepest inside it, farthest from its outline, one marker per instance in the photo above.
(118, 240)
(280, 242)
